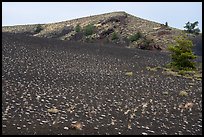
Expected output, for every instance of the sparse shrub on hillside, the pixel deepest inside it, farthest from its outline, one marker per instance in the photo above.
(89, 29)
(142, 42)
(190, 28)
(114, 36)
(38, 28)
(78, 28)
(135, 37)
(181, 54)
(146, 43)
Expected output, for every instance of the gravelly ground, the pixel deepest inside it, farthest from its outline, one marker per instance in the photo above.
(87, 84)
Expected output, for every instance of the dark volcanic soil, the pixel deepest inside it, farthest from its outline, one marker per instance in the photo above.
(86, 83)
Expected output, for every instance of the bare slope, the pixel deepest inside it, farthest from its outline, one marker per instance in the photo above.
(88, 85)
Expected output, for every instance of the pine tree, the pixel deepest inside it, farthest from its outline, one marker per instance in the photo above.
(182, 55)
(190, 28)
(166, 24)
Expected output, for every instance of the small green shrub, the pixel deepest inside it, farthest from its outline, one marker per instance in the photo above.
(181, 54)
(135, 37)
(114, 36)
(89, 29)
(146, 43)
(38, 28)
(78, 28)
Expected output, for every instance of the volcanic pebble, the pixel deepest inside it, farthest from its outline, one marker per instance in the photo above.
(48, 84)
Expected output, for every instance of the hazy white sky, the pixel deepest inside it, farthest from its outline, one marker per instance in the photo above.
(175, 13)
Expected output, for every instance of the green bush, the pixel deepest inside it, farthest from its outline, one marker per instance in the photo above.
(114, 36)
(135, 37)
(78, 28)
(181, 54)
(89, 29)
(146, 43)
(38, 28)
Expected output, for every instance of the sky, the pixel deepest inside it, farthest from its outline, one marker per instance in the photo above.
(175, 13)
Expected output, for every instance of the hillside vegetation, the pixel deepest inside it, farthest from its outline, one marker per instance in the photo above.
(121, 24)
